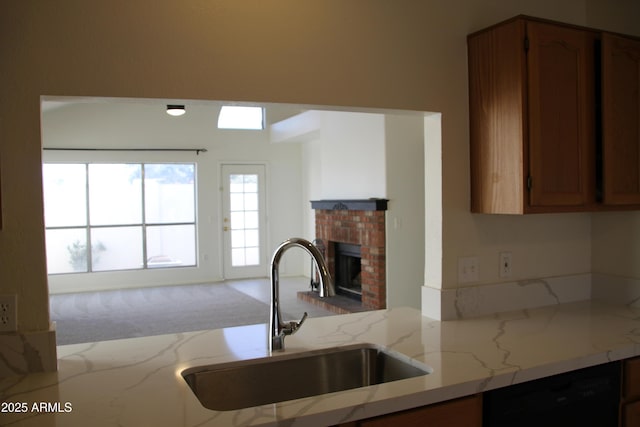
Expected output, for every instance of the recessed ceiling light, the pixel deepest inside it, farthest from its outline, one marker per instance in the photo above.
(176, 110)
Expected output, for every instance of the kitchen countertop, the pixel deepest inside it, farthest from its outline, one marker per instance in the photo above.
(137, 382)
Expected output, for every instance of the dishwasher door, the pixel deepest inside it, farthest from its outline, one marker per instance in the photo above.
(587, 397)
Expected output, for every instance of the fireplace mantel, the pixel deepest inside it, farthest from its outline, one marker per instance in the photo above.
(372, 204)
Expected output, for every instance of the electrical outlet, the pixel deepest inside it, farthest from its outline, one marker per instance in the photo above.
(8, 313)
(505, 264)
(468, 269)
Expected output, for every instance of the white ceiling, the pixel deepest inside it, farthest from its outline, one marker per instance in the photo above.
(273, 112)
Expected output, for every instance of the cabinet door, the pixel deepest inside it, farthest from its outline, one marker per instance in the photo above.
(631, 414)
(631, 382)
(561, 115)
(621, 120)
(464, 412)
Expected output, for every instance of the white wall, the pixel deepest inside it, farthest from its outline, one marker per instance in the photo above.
(405, 218)
(408, 55)
(353, 156)
(349, 155)
(146, 125)
(343, 156)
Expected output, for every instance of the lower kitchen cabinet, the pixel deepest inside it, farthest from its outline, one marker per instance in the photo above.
(468, 411)
(630, 413)
(463, 412)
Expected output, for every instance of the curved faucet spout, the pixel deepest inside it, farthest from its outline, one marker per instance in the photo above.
(277, 328)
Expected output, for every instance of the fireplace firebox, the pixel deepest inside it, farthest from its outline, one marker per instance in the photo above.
(348, 275)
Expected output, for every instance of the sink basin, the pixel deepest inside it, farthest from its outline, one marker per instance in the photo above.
(255, 382)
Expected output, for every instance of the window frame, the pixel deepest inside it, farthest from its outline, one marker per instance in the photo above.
(143, 225)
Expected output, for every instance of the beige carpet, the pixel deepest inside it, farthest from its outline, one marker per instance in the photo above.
(100, 316)
(129, 313)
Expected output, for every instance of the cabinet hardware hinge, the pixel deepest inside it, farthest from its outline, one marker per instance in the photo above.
(529, 181)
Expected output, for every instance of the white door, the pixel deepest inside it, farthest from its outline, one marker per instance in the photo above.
(244, 221)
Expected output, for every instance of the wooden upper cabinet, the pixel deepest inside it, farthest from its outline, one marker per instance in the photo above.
(561, 116)
(554, 118)
(497, 85)
(620, 120)
(531, 90)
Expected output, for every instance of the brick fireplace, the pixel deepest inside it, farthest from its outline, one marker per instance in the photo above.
(356, 224)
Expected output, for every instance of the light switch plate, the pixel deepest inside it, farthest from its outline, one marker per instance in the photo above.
(8, 313)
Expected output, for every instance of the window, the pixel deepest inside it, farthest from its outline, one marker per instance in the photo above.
(103, 217)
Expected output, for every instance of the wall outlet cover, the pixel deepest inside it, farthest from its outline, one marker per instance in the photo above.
(8, 313)
(468, 269)
(505, 264)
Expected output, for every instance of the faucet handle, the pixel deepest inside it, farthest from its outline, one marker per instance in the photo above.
(292, 327)
(304, 317)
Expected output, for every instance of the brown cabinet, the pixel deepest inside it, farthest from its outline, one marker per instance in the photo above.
(620, 120)
(463, 412)
(630, 408)
(561, 115)
(540, 142)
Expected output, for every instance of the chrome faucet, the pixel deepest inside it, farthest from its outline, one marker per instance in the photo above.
(277, 328)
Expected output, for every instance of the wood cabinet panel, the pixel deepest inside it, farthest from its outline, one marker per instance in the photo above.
(532, 119)
(621, 120)
(464, 412)
(631, 414)
(497, 76)
(631, 379)
(0, 196)
(554, 118)
(561, 114)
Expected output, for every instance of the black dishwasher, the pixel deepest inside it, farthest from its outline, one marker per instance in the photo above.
(586, 397)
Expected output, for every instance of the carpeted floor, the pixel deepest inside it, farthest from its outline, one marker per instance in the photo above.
(108, 315)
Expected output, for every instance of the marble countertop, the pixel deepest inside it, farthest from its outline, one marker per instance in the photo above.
(138, 381)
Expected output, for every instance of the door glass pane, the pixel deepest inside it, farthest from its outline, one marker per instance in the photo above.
(64, 189)
(250, 183)
(169, 191)
(251, 219)
(251, 238)
(237, 239)
(171, 246)
(252, 256)
(236, 202)
(237, 220)
(116, 248)
(237, 257)
(66, 250)
(115, 194)
(251, 202)
(244, 213)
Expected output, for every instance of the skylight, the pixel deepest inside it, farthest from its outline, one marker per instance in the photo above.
(236, 117)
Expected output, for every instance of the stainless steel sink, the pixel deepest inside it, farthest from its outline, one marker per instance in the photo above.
(248, 383)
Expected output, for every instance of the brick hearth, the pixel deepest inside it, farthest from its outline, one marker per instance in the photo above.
(357, 222)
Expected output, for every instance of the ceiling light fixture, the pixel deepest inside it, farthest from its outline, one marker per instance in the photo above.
(176, 110)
